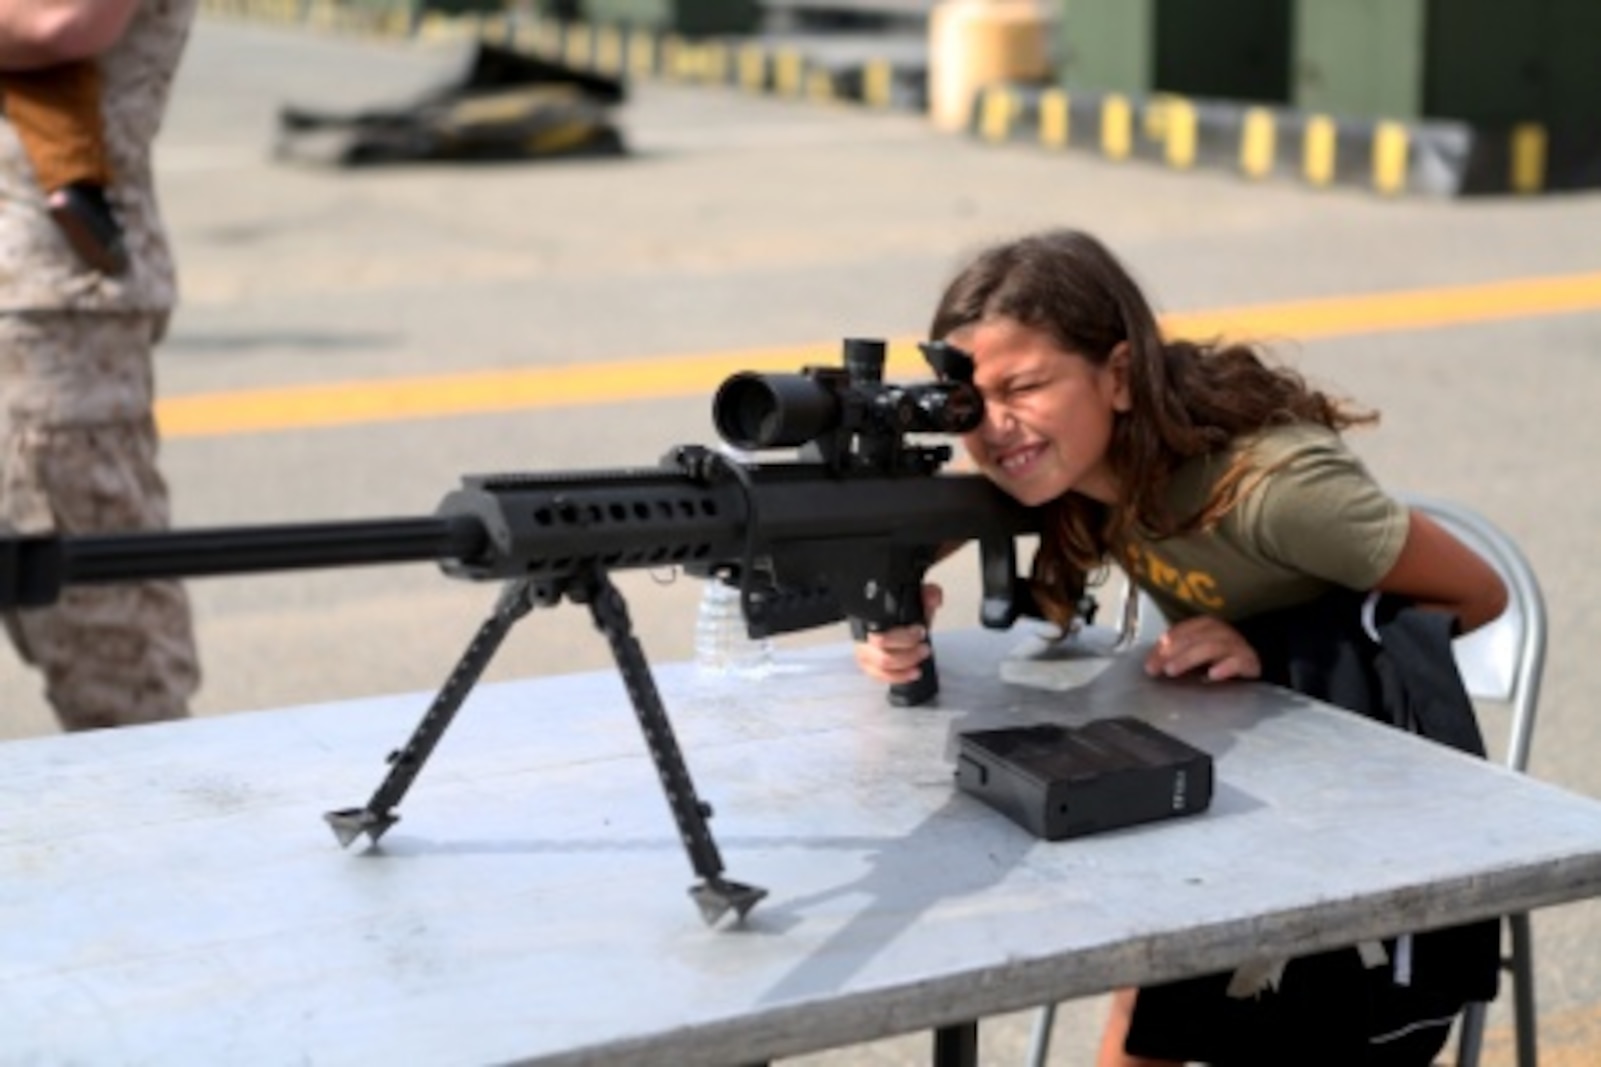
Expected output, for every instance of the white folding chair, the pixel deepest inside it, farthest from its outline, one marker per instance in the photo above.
(1501, 662)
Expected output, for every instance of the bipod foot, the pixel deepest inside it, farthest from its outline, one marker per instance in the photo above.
(716, 897)
(351, 823)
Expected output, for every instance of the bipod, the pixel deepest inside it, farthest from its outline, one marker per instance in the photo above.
(715, 895)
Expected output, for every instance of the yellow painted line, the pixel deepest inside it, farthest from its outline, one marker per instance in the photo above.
(609, 50)
(671, 55)
(1528, 158)
(752, 67)
(1180, 134)
(642, 57)
(878, 83)
(819, 86)
(1416, 309)
(1257, 142)
(1117, 126)
(1055, 118)
(789, 69)
(714, 63)
(996, 108)
(343, 403)
(1318, 150)
(547, 37)
(522, 389)
(1153, 117)
(1389, 157)
(580, 44)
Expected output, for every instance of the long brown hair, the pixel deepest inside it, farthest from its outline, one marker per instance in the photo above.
(1188, 398)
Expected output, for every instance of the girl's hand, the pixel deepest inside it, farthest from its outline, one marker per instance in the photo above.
(894, 656)
(1203, 643)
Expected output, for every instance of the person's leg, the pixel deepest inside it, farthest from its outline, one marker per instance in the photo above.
(79, 456)
(111, 655)
(1115, 1034)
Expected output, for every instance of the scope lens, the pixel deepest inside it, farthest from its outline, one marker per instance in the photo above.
(948, 407)
(754, 411)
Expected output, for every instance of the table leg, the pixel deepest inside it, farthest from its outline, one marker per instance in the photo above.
(956, 1045)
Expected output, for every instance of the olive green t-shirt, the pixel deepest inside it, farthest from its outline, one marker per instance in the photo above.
(1317, 519)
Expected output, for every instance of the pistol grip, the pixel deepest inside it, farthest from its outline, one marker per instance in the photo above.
(924, 689)
(926, 686)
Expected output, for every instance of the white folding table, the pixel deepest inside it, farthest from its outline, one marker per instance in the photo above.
(170, 894)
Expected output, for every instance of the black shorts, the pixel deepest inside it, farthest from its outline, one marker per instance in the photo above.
(1328, 1010)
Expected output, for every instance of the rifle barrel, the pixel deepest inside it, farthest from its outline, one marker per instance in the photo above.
(252, 549)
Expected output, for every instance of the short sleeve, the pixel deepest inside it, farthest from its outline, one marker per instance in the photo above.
(1318, 510)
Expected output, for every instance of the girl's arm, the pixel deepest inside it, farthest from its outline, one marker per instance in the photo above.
(1434, 569)
(1437, 570)
(43, 33)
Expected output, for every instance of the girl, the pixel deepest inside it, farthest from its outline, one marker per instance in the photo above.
(1220, 484)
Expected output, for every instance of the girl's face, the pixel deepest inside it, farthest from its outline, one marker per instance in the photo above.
(1048, 412)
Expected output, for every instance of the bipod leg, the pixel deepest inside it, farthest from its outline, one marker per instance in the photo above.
(517, 598)
(715, 895)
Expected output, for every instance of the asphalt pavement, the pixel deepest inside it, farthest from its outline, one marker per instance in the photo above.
(737, 226)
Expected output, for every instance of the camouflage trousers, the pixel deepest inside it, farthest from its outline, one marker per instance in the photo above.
(78, 454)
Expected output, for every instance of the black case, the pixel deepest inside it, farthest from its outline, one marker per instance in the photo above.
(1059, 782)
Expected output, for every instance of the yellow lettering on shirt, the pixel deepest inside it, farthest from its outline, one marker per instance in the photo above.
(1192, 587)
(1203, 590)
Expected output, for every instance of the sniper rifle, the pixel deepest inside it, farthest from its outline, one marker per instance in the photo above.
(845, 531)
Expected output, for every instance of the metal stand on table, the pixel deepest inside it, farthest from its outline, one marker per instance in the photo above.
(714, 894)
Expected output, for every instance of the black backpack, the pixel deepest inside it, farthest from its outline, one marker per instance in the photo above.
(1329, 1002)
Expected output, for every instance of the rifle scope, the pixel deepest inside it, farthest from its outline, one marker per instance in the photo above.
(754, 411)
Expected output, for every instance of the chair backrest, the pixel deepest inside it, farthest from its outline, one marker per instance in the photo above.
(1500, 661)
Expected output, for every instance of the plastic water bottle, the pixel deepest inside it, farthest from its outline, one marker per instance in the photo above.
(723, 647)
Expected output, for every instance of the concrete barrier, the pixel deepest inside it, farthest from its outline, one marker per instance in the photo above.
(1431, 157)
